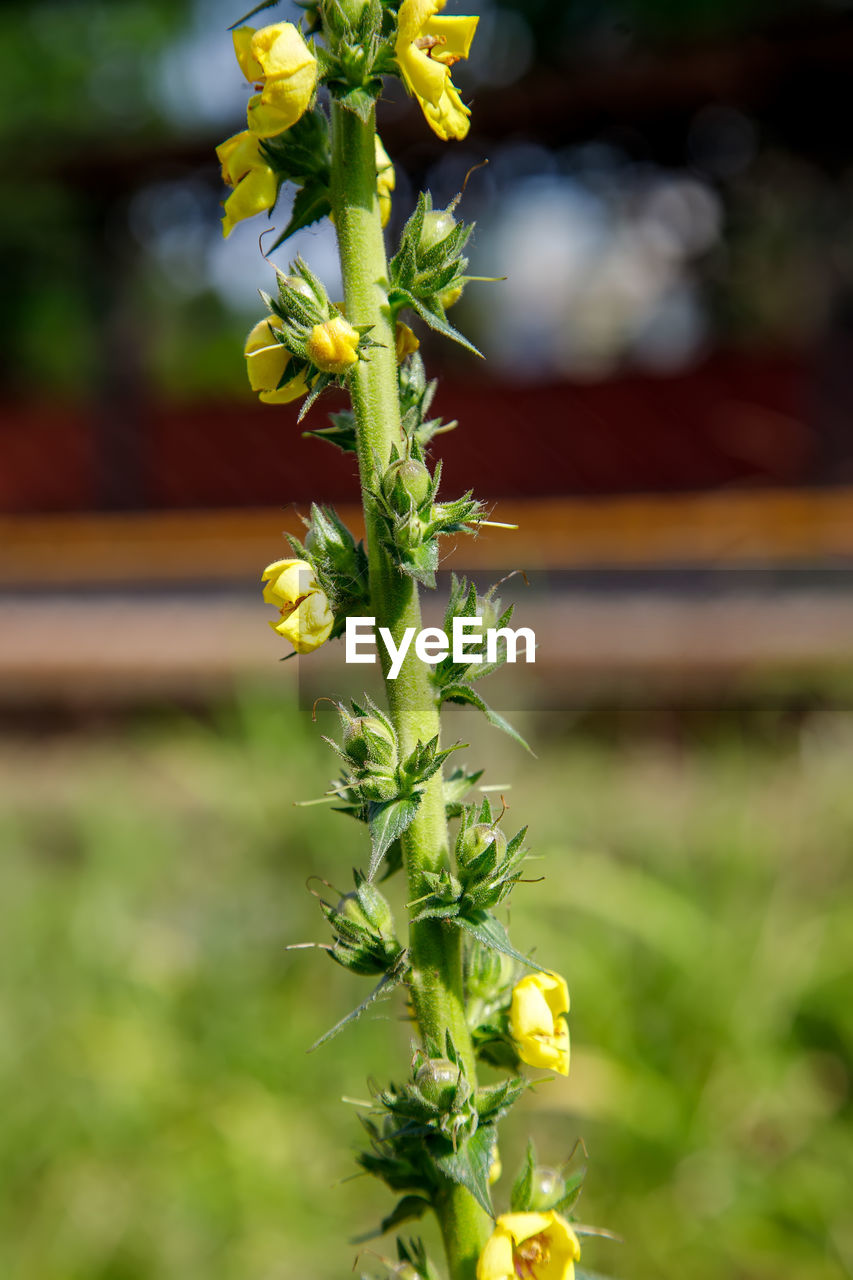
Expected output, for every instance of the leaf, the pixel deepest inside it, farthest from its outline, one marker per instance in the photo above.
(385, 985)
(491, 933)
(434, 318)
(470, 1165)
(388, 819)
(572, 1188)
(464, 693)
(310, 205)
(522, 1188)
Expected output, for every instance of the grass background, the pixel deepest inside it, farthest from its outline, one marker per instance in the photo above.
(161, 1116)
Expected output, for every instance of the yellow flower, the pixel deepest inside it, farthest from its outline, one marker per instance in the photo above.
(278, 61)
(306, 618)
(333, 345)
(405, 341)
(426, 48)
(254, 182)
(529, 1246)
(266, 363)
(386, 181)
(537, 1023)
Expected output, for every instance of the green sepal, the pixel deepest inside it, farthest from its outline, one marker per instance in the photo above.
(522, 1188)
(493, 1102)
(386, 984)
(469, 1165)
(432, 313)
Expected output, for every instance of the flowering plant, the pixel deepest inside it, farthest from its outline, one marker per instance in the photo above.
(433, 1134)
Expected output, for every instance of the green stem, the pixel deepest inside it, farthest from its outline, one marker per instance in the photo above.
(435, 946)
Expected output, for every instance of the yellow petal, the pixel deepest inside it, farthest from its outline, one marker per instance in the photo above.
(496, 1262)
(257, 192)
(249, 64)
(412, 16)
(455, 34)
(290, 585)
(266, 359)
(238, 155)
(264, 120)
(423, 76)
(292, 390)
(449, 118)
(333, 345)
(309, 625)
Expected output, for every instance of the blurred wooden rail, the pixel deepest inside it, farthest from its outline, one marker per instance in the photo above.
(231, 546)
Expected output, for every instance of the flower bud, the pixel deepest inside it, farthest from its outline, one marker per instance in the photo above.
(367, 739)
(489, 972)
(438, 1080)
(547, 1189)
(333, 345)
(438, 224)
(405, 341)
(477, 839)
(367, 907)
(267, 364)
(406, 484)
(537, 1021)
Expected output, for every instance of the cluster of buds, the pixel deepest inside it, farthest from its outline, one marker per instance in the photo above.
(413, 521)
(487, 867)
(305, 344)
(369, 751)
(363, 929)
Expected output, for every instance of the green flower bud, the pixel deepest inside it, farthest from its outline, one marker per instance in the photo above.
(438, 1080)
(547, 1190)
(477, 839)
(489, 972)
(438, 223)
(489, 610)
(367, 739)
(367, 907)
(405, 484)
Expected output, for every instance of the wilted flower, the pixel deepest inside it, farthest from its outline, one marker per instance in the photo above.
(529, 1246)
(266, 363)
(426, 48)
(333, 345)
(306, 617)
(406, 341)
(244, 168)
(537, 1021)
(278, 60)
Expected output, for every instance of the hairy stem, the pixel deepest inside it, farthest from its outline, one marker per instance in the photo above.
(436, 980)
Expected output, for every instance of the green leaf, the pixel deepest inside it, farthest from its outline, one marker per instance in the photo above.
(491, 933)
(386, 984)
(434, 317)
(470, 1165)
(464, 693)
(572, 1188)
(522, 1188)
(388, 819)
(310, 205)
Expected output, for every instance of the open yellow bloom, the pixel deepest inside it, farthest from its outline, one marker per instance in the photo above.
(266, 364)
(333, 345)
(278, 61)
(529, 1246)
(386, 180)
(254, 182)
(306, 618)
(537, 1023)
(426, 48)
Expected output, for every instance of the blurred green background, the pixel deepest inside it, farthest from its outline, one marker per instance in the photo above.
(162, 1117)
